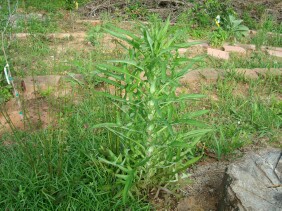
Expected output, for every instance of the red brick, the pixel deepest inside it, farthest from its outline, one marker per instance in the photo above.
(274, 53)
(248, 73)
(218, 53)
(235, 49)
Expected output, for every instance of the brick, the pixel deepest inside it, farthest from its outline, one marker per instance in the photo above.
(274, 53)
(182, 51)
(248, 73)
(271, 48)
(248, 46)
(218, 53)
(252, 32)
(211, 74)
(235, 49)
(191, 76)
(266, 71)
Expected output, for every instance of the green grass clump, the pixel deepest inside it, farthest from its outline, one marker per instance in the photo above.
(59, 169)
(250, 117)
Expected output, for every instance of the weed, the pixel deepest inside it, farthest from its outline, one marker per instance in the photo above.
(94, 35)
(204, 13)
(149, 150)
(235, 28)
(5, 93)
(135, 11)
(218, 37)
(263, 37)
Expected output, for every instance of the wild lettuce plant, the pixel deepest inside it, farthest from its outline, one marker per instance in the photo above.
(152, 148)
(235, 28)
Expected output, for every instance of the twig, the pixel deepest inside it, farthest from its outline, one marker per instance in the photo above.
(275, 186)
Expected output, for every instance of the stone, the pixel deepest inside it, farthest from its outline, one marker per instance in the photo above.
(254, 183)
(248, 73)
(274, 53)
(182, 51)
(252, 32)
(219, 54)
(268, 71)
(271, 48)
(191, 76)
(235, 49)
(211, 74)
(248, 46)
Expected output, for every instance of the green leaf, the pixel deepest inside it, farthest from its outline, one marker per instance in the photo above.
(130, 62)
(143, 162)
(191, 96)
(196, 113)
(108, 81)
(105, 125)
(190, 122)
(195, 133)
(149, 40)
(128, 184)
(187, 164)
(114, 164)
(113, 97)
(117, 69)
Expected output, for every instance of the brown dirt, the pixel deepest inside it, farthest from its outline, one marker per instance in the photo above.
(203, 193)
(36, 116)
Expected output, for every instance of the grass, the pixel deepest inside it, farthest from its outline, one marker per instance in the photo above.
(59, 169)
(244, 114)
(76, 164)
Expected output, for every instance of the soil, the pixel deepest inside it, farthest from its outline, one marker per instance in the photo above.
(37, 115)
(203, 193)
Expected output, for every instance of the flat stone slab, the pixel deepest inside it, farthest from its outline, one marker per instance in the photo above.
(235, 49)
(218, 53)
(254, 183)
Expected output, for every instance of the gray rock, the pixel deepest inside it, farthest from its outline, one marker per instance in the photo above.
(254, 183)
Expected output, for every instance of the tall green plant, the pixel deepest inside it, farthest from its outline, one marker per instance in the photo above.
(151, 148)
